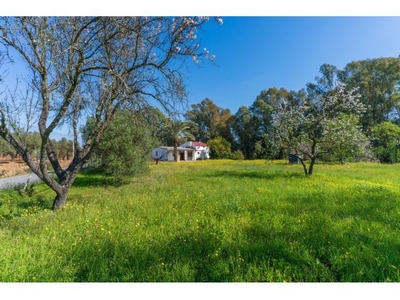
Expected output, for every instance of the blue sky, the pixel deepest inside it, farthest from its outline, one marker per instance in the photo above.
(257, 53)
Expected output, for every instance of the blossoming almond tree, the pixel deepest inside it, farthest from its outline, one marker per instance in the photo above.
(92, 66)
(319, 124)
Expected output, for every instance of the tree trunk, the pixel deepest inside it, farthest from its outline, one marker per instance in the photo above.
(304, 165)
(61, 199)
(66, 179)
(311, 167)
(313, 157)
(176, 149)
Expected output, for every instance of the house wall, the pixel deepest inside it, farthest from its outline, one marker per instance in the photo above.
(201, 152)
(162, 153)
(170, 155)
(188, 154)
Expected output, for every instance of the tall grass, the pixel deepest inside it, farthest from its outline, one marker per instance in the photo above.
(211, 221)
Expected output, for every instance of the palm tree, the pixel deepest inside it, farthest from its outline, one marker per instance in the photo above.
(181, 132)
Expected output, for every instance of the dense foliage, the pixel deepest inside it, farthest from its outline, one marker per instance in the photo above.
(386, 142)
(220, 148)
(125, 147)
(210, 121)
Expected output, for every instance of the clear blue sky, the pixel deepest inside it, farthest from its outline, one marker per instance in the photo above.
(257, 53)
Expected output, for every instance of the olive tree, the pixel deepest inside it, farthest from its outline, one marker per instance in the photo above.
(125, 147)
(80, 67)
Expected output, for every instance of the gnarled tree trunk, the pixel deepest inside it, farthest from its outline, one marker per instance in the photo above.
(66, 179)
(60, 200)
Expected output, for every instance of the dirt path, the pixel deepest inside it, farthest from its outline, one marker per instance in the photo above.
(10, 169)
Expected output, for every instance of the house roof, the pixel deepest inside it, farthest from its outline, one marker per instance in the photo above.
(199, 144)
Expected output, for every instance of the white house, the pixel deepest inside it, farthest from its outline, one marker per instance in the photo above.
(202, 151)
(189, 151)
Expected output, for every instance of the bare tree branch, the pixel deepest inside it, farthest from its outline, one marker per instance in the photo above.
(82, 67)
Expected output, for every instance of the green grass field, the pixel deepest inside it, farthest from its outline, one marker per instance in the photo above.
(210, 221)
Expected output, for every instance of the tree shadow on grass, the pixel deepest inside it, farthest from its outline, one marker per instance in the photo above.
(262, 174)
(39, 202)
(91, 178)
(25, 199)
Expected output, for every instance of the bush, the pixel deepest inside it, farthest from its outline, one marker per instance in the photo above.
(125, 148)
(219, 148)
(386, 142)
(237, 155)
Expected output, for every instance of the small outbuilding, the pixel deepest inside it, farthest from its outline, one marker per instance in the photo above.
(294, 159)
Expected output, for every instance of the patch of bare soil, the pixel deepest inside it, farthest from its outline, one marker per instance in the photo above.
(17, 167)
